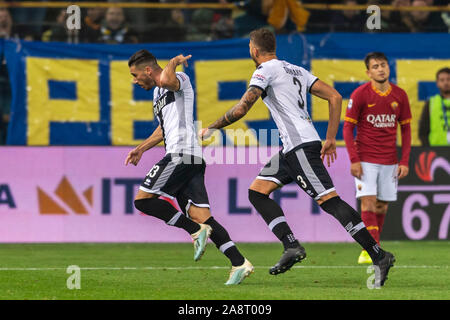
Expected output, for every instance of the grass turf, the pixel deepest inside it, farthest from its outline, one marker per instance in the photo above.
(168, 272)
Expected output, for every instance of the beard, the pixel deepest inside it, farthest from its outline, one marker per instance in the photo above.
(381, 81)
(254, 60)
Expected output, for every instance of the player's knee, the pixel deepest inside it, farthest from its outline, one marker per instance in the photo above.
(254, 196)
(369, 204)
(140, 204)
(197, 218)
(381, 208)
(199, 214)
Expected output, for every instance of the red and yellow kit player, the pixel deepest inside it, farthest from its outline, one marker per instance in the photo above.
(375, 109)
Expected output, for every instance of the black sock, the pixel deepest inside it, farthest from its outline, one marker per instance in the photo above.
(163, 210)
(223, 242)
(352, 222)
(273, 215)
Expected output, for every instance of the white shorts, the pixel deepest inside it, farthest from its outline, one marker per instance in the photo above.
(378, 180)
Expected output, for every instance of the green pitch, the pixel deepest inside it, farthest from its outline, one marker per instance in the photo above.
(167, 271)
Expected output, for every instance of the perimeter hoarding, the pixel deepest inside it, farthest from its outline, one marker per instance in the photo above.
(422, 211)
(85, 194)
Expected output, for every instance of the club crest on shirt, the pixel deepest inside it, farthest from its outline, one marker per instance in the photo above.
(394, 105)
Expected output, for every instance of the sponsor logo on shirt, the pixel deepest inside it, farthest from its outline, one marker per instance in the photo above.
(370, 105)
(259, 77)
(164, 100)
(382, 120)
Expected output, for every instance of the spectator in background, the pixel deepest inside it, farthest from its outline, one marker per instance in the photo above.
(114, 28)
(423, 21)
(6, 31)
(5, 100)
(199, 28)
(391, 21)
(348, 20)
(5, 24)
(253, 17)
(223, 28)
(7, 27)
(165, 25)
(319, 21)
(280, 10)
(434, 122)
(91, 24)
(175, 28)
(29, 21)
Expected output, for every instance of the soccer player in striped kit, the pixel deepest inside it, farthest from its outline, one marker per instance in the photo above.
(180, 174)
(283, 87)
(375, 109)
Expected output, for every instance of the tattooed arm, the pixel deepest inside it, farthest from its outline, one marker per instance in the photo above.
(239, 110)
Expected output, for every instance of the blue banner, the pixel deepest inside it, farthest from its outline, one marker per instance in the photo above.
(67, 94)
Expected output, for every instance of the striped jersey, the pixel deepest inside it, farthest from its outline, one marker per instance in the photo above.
(175, 114)
(284, 88)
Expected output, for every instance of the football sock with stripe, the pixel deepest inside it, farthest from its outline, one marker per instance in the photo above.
(380, 220)
(351, 221)
(223, 242)
(163, 210)
(370, 220)
(273, 215)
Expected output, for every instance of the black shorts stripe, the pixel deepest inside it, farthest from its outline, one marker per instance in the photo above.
(302, 165)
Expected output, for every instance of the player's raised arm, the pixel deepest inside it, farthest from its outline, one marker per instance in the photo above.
(168, 79)
(326, 92)
(135, 155)
(235, 113)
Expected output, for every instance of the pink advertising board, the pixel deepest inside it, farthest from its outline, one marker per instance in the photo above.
(85, 194)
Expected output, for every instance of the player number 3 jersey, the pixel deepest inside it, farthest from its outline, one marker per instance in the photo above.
(284, 88)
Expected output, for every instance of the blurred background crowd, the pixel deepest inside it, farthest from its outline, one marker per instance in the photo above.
(115, 25)
(133, 25)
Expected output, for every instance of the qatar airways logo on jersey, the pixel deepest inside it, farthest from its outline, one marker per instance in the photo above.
(382, 120)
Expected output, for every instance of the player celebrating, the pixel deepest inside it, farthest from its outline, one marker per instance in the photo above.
(283, 87)
(180, 174)
(375, 108)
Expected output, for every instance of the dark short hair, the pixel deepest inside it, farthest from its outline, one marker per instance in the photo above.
(141, 57)
(443, 70)
(264, 39)
(376, 56)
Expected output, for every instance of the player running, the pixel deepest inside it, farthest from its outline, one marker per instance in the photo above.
(283, 87)
(180, 174)
(375, 108)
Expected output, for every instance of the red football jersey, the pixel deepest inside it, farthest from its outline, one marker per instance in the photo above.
(376, 115)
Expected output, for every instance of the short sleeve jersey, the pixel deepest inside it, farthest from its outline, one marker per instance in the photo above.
(175, 113)
(284, 88)
(376, 116)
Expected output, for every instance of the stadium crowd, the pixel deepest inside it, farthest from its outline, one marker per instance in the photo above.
(115, 25)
